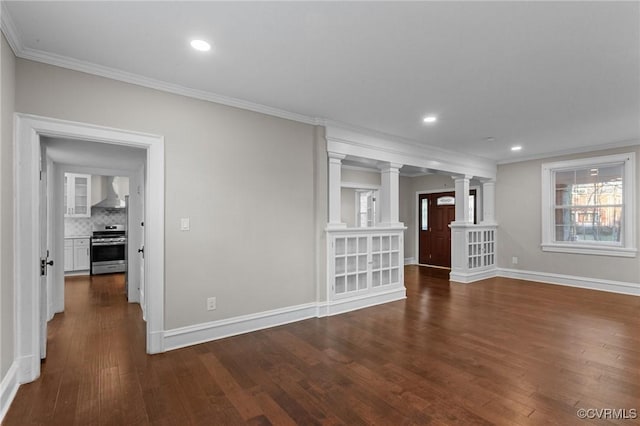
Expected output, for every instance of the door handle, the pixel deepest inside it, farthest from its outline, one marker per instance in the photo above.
(43, 266)
(141, 250)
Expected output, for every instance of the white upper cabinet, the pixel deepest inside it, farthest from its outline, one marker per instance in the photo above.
(77, 195)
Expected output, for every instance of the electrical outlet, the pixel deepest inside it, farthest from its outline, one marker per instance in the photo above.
(211, 303)
(514, 260)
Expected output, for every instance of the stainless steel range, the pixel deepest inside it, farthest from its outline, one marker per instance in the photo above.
(108, 249)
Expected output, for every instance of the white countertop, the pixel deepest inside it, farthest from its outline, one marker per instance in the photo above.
(68, 237)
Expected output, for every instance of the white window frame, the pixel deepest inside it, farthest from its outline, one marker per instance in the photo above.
(627, 247)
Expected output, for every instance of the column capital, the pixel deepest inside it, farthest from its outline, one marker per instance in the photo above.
(485, 181)
(461, 177)
(336, 156)
(388, 167)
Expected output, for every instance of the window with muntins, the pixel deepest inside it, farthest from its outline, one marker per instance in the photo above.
(588, 206)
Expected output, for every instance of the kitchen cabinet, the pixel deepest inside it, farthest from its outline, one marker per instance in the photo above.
(77, 195)
(68, 254)
(76, 254)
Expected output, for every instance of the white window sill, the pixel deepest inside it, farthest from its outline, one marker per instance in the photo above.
(590, 249)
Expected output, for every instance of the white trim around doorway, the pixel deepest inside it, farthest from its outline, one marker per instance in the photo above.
(28, 130)
(416, 221)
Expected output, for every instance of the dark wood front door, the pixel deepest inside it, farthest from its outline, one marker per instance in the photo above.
(436, 212)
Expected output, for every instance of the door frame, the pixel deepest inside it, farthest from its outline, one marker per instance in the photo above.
(136, 177)
(417, 216)
(28, 130)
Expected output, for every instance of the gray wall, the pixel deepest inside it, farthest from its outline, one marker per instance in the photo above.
(518, 213)
(252, 185)
(7, 94)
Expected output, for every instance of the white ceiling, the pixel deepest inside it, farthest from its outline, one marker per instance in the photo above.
(548, 76)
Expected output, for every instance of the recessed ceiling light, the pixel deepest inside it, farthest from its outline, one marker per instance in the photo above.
(200, 45)
(516, 148)
(430, 119)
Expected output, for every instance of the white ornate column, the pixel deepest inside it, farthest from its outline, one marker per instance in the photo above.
(488, 202)
(462, 198)
(335, 178)
(390, 195)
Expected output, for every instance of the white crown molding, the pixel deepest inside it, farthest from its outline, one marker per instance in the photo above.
(580, 150)
(11, 33)
(366, 144)
(399, 139)
(151, 83)
(13, 38)
(9, 29)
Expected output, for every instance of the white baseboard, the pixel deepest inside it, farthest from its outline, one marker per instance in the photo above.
(28, 368)
(205, 332)
(76, 273)
(410, 261)
(8, 389)
(359, 302)
(470, 277)
(156, 342)
(572, 281)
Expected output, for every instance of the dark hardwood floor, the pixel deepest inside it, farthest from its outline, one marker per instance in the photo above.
(500, 351)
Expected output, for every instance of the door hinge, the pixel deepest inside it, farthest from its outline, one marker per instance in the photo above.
(40, 174)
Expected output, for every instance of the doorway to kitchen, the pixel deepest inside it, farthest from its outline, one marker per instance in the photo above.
(435, 212)
(30, 130)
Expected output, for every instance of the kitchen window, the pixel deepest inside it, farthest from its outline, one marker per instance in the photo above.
(588, 206)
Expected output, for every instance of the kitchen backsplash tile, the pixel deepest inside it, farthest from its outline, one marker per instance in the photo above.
(83, 226)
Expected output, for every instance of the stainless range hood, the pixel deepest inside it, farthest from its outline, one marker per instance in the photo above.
(113, 201)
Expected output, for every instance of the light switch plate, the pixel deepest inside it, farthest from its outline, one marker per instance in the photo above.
(184, 224)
